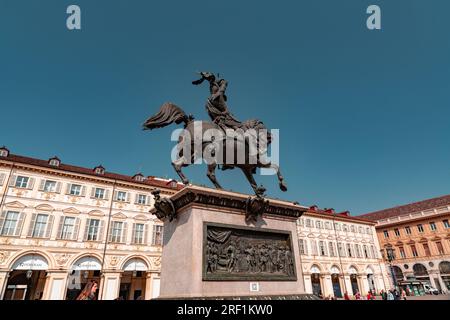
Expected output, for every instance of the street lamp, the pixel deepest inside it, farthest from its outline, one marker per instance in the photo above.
(391, 257)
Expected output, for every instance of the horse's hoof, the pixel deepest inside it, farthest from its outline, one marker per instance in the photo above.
(283, 187)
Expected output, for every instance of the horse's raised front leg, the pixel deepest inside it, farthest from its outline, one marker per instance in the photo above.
(276, 167)
(249, 175)
(212, 175)
(178, 164)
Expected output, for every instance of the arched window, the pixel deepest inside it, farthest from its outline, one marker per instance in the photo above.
(444, 267)
(398, 272)
(420, 270)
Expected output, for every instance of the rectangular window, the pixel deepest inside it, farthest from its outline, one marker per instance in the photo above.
(68, 226)
(318, 225)
(386, 233)
(366, 252)
(327, 226)
(308, 223)
(141, 199)
(314, 247)
(397, 232)
(49, 186)
(420, 227)
(75, 190)
(446, 224)
(331, 249)
(39, 226)
(358, 251)
(10, 224)
(345, 227)
(301, 246)
(352, 229)
(426, 248)
(21, 182)
(349, 250)
(138, 236)
(408, 230)
(360, 230)
(301, 222)
(157, 235)
(341, 249)
(322, 248)
(93, 226)
(372, 249)
(402, 252)
(439, 247)
(337, 226)
(116, 231)
(368, 231)
(99, 193)
(414, 251)
(121, 196)
(433, 226)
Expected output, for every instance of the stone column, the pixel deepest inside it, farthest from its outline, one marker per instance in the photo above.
(347, 285)
(55, 285)
(364, 284)
(308, 285)
(327, 285)
(148, 285)
(110, 285)
(4, 275)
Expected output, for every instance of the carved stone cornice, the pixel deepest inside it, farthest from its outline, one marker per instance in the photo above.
(235, 201)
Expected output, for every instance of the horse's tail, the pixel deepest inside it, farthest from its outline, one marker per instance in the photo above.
(168, 114)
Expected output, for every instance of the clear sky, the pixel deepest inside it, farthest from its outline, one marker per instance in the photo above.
(363, 115)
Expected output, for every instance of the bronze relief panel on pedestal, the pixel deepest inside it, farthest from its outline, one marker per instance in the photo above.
(235, 253)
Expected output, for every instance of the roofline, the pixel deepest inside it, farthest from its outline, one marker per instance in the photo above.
(14, 159)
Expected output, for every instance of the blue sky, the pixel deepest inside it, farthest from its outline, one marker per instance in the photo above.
(363, 115)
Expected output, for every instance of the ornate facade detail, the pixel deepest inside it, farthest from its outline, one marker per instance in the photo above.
(164, 207)
(256, 206)
(4, 255)
(114, 260)
(62, 258)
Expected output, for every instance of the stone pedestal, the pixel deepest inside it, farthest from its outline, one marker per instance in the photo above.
(186, 255)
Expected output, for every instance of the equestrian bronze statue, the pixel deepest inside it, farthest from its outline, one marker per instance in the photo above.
(248, 150)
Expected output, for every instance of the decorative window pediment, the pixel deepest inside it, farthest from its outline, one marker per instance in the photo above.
(141, 217)
(45, 207)
(97, 213)
(15, 204)
(119, 215)
(72, 210)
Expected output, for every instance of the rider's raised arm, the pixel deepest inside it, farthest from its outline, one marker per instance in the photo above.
(223, 86)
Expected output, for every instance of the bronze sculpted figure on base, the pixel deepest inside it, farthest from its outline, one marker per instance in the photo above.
(222, 119)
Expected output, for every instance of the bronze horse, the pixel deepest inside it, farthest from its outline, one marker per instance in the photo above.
(170, 113)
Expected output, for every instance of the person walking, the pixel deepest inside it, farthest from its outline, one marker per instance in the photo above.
(403, 295)
(390, 295)
(346, 297)
(357, 295)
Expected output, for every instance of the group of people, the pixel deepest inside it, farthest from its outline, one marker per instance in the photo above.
(392, 294)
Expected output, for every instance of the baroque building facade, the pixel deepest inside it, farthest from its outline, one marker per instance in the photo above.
(415, 239)
(339, 254)
(63, 225)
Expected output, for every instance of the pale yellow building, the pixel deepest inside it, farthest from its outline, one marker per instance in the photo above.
(63, 225)
(340, 253)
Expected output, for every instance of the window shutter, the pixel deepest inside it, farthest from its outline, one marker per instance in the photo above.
(136, 198)
(19, 225)
(127, 197)
(110, 231)
(124, 232)
(154, 235)
(48, 230)
(2, 178)
(133, 233)
(145, 234)
(75, 229)
(58, 187)
(68, 188)
(2, 220)
(83, 191)
(60, 226)
(115, 195)
(106, 194)
(101, 228)
(12, 182)
(93, 192)
(86, 229)
(147, 200)
(30, 183)
(41, 185)
(32, 222)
